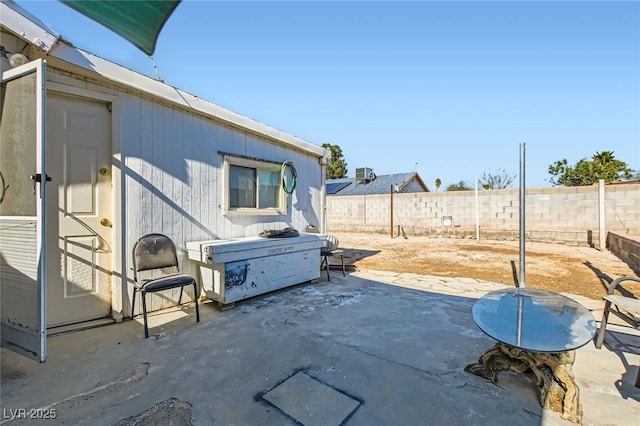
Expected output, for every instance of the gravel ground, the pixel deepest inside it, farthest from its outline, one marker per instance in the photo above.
(557, 267)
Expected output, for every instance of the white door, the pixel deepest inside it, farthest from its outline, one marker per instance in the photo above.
(22, 206)
(78, 210)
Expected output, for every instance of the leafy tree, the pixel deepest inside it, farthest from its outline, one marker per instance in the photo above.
(460, 186)
(603, 165)
(498, 180)
(337, 167)
(438, 183)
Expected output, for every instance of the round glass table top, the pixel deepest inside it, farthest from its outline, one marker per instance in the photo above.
(534, 320)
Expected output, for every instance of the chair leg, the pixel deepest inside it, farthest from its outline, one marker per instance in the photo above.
(180, 298)
(195, 296)
(603, 324)
(133, 301)
(326, 266)
(638, 377)
(342, 260)
(143, 294)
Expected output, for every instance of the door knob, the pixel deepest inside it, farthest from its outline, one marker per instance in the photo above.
(106, 222)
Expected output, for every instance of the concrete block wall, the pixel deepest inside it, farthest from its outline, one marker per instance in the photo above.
(626, 247)
(558, 214)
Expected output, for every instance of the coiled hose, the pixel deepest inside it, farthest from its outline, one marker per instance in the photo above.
(294, 175)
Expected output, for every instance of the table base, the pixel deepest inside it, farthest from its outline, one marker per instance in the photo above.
(558, 390)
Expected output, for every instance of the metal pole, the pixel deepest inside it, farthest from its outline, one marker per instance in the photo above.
(323, 194)
(601, 211)
(522, 282)
(477, 213)
(391, 228)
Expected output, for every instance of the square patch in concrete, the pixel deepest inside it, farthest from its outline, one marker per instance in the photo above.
(310, 402)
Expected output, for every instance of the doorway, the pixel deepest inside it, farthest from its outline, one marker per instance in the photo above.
(79, 209)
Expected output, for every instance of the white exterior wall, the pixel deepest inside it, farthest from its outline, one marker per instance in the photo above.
(169, 179)
(174, 178)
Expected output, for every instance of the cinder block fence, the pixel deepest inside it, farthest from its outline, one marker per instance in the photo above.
(574, 215)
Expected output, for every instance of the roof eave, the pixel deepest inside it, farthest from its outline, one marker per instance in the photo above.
(424, 185)
(26, 26)
(141, 82)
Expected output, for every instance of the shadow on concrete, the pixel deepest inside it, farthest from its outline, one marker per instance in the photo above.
(622, 344)
(398, 352)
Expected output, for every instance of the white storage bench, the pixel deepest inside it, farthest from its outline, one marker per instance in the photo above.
(239, 268)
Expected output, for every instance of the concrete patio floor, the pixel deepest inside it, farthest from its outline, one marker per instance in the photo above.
(372, 348)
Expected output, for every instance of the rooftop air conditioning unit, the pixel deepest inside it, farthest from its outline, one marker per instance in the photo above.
(365, 174)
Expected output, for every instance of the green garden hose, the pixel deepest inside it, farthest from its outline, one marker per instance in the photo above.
(294, 175)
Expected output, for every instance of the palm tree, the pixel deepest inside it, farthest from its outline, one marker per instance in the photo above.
(603, 157)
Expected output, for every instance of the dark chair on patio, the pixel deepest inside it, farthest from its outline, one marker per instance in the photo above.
(153, 253)
(625, 306)
(329, 250)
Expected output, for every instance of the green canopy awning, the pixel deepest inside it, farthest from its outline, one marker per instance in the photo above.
(138, 21)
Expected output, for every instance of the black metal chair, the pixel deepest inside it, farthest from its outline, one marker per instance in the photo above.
(152, 253)
(330, 250)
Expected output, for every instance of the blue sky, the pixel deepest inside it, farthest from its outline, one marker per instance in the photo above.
(449, 89)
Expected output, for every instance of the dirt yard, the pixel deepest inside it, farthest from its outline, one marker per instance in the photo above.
(561, 268)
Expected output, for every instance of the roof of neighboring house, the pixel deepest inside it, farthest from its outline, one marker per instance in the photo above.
(380, 185)
(52, 45)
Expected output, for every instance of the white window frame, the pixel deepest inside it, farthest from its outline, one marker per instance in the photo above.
(229, 161)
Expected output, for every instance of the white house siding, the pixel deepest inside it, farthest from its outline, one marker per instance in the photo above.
(172, 181)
